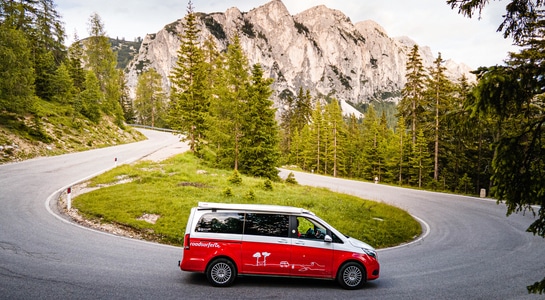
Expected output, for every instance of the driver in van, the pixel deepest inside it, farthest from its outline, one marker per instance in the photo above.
(319, 233)
(316, 233)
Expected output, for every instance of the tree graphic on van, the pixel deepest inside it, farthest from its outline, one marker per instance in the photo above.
(265, 255)
(258, 255)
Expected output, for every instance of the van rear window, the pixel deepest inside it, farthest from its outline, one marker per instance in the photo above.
(221, 222)
(267, 224)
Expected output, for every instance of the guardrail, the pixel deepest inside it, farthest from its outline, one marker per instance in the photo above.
(153, 128)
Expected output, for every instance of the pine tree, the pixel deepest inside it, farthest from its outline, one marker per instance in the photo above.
(218, 135)
(88, 101)
(62, 86)
(42, 28)
(513, 95)
(353, 148)
(45, 68)
(74, 64)
(48, 28)
(302, 109)
(402, 151)
(308, 158)
(215, 63)
(295, 115)
(190, 103)
(17, 84)
(102, 60)
(237, 95)
(296, 149)
(420, 160)
(287, 133)
(326, 140)
(387, 150)
(259, 144)
(126, 102)
(371, 153)
(150, 99)
(316, 141)
(439, 89)
(410, 106)
(337, 131)
(466, 139)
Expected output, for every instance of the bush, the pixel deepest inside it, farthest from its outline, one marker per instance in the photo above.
(250, 195)
(235, 178)
(267, 185)
(228, 192)
(291, 179)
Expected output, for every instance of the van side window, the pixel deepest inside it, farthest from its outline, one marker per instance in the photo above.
(311, 229)
(221, 222)
(267, 224)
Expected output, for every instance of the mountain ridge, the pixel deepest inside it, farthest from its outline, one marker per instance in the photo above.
(318, 49)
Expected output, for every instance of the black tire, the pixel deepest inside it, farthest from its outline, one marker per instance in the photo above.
(221, 272)
(351, 276)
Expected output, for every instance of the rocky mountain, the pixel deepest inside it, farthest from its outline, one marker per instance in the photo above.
(126, 51)
(319, 49)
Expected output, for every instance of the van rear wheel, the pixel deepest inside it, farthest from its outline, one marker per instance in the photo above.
(221, 272)
(351, 276)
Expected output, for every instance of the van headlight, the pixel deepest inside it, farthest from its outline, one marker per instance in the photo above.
(370, 252)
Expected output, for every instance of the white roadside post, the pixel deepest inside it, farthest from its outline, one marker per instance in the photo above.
(69, 198)
(115, 161)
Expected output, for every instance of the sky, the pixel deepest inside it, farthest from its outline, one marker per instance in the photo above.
(432, 23)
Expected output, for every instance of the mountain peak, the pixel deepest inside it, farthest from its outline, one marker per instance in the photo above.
(322, 12)
(274, 5)
(273, 13)
(319, 49)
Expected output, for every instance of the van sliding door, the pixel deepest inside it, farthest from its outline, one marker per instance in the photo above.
(266, 244)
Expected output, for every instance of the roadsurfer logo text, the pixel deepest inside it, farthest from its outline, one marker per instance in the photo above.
(205, 245)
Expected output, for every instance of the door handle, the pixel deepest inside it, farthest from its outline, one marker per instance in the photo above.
(299, 243)
(282, 241)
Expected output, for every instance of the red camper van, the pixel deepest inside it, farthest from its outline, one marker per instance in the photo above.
(229, 240)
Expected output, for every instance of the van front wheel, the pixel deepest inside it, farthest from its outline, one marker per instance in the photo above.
(351, 276)
(221, 272)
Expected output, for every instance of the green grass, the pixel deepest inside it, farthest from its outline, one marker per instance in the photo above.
(54, 128)
(170, 188)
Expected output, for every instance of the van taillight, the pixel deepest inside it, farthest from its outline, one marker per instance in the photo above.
(186, 241)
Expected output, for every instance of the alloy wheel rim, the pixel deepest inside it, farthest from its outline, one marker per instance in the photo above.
(352, 276)
(221, 273)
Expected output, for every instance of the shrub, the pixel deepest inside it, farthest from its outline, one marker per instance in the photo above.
(267, 185)
(250, 195)
(291, 179)
(235, 178)
(228, 192)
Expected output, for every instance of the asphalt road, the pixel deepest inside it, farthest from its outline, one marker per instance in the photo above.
(470, 250)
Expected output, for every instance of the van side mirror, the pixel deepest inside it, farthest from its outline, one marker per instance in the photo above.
(328, 239)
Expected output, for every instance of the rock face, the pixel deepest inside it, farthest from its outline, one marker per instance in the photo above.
(319, 49)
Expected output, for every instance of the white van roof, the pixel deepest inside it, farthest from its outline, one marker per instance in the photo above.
(252, 207)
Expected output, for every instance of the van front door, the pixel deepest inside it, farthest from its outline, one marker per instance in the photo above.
(310, 254)
(266, 245)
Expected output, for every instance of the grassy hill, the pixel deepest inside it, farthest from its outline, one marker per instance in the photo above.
(54, 129)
